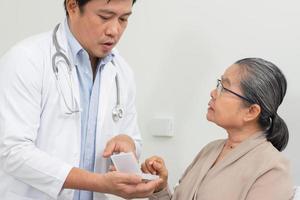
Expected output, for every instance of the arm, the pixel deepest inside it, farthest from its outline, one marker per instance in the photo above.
(124, 185)
(20, 109)
(156, 165)
(164, 194)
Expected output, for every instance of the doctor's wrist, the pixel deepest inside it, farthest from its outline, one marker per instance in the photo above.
(80, 179)
(100, 183)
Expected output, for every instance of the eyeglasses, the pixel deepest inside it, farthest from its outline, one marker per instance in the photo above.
(220, 88)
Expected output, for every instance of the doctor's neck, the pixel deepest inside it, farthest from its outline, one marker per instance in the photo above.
(94, 63)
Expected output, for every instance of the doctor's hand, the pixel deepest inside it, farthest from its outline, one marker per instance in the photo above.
(128, 185)
(156, 165)
(119, 143)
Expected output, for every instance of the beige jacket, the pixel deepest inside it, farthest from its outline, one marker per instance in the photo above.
(254, 170)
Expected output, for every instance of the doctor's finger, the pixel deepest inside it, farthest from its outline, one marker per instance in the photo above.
(109, 148)
(112, 168)
(144, 189)
(148, 188)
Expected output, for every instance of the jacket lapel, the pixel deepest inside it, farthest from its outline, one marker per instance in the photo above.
(195, 174)
(239, 152)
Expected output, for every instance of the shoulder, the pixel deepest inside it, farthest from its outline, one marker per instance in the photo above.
(269, 158)
(265, 161)
(34, 42)
(270, 173)
(30, 48)
(27, 57)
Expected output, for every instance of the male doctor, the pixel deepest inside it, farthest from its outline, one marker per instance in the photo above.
(66, 104)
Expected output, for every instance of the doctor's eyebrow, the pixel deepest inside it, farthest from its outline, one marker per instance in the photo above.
(109, 12)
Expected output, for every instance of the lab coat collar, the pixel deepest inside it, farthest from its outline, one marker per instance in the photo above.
(62, 41)
(75, 47)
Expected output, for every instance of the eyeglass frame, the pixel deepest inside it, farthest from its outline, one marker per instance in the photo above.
(221, 86)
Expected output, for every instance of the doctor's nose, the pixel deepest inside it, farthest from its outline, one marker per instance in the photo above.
(114, 29)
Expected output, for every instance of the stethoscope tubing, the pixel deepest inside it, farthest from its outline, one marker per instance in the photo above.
(117, 112)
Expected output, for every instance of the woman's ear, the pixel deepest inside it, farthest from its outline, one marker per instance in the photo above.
(252, 113)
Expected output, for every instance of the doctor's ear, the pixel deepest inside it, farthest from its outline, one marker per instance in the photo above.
(71, 6)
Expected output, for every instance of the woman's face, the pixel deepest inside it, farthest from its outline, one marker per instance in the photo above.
(225, 108)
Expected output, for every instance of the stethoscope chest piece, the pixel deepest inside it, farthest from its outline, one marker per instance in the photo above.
(117, 113)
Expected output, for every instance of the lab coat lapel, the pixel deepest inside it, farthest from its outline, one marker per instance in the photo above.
(62, 40)
(107, 83)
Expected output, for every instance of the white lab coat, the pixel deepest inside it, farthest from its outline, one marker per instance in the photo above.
(39, 143)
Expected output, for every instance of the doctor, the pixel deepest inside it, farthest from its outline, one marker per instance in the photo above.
(66, 104)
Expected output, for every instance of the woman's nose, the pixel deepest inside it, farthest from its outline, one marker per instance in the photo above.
(213, 93)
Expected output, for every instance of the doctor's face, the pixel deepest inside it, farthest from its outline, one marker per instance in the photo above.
(99, 24)
(225, 108)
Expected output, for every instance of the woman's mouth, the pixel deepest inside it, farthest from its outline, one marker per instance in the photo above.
(210, 107)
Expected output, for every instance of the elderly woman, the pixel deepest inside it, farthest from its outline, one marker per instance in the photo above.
(248, 164)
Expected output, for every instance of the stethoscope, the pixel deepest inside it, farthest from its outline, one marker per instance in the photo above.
(117, 112)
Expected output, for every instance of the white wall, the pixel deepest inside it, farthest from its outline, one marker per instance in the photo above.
(178, 49)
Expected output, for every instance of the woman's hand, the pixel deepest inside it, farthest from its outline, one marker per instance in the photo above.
(155, 165)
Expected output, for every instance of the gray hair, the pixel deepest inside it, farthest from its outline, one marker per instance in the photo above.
(265, 85)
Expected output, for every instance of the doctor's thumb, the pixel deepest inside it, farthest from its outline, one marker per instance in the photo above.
(109, 149)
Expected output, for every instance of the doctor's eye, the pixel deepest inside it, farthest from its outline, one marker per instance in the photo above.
(105, 18)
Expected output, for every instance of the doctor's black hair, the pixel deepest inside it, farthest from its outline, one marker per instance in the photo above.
(81, 4)
(265, 84)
